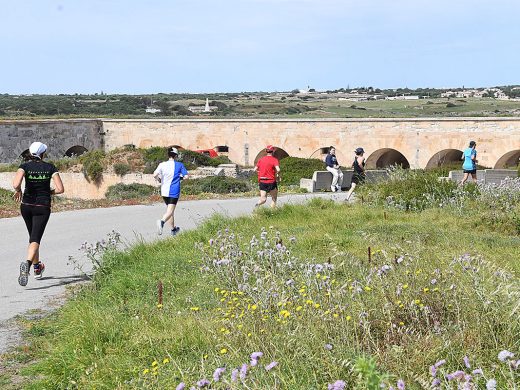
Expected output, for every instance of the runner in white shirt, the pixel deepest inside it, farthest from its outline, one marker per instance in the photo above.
(169, 174)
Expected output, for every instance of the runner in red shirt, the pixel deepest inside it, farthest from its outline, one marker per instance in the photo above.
(268, 169)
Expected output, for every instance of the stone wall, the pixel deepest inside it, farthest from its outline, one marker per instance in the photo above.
(77, 187)
(58, 135)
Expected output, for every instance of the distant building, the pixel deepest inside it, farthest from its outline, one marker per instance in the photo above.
(152, 110)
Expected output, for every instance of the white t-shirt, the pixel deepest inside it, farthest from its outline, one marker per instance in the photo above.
(171, 173)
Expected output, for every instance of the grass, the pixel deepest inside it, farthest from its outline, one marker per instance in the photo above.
(452, 291)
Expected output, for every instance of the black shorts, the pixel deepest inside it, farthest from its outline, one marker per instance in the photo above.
(36, 218)
(472, 171)
(169, 200)
(357, 179)
(268, 187)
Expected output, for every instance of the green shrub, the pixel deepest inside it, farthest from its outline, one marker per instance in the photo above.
(121, 169)
(130, 191)
(193, 159)
(93, 165)
(6, 197)
(215, 185)
(65, 163)
(294, 168)
(9, 167)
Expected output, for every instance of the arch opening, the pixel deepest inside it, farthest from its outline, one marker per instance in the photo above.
(75, 151)
(387, 157)
(445, 157)
(509, 160)
(279, 153)
(320, 153)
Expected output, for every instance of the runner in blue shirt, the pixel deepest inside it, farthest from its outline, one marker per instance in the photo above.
(169, 174)
(470, 163)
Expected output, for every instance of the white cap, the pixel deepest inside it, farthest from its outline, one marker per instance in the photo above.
(173, 150)
(37, 149)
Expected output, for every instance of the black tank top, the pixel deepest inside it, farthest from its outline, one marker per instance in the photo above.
(358, 170)
(38, 176)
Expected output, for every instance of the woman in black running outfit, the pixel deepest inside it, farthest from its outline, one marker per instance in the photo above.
(359, 175)
(35, 204)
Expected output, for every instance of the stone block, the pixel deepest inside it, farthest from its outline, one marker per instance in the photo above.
(307, 184)
(219, 172)
(322, 180)
(496, 176)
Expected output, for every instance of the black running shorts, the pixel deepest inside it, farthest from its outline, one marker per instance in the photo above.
(472, 171)
(170, 200)
(36, 218)
(268, 187)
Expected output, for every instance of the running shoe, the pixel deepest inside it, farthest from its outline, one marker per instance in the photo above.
(175, 230)
(38, 270)
(333, 188)
(160, 225)
(24, 274)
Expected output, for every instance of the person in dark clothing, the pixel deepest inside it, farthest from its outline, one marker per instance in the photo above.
(35, 204)
(332, 166)
(359, 175)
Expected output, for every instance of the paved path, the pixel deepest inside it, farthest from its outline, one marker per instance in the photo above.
(66, 232)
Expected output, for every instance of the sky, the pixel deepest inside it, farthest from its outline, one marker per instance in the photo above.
(198, 46)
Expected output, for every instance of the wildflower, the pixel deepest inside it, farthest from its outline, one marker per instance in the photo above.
(338, 385)
(456, 375)
(505, 355)
(270, 366)
(466, 362)
(218, 373)
(166, 361)
(159, 306)
(234, 375)
(405, 286)
(400, 384)
(180, 386)
(146, 371)
(154, 363)
(426, 289)
(349, 318)
(257, 355)
(367, 288)
(223, 351)
(328, 347)
(433, 371)
(417, 301)
(478, 371)
(436, 382)
(243, 371)
(195, 308)
(203, 383)
(433, 281)
(211, 241)
(299, 308)
(491, 384)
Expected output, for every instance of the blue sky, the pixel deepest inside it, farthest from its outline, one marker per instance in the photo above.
(149, 46)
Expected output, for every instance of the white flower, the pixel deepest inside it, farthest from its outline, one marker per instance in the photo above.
(505, 355)
(491, 384)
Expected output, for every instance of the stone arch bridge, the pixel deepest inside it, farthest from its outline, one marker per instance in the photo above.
(414, 143)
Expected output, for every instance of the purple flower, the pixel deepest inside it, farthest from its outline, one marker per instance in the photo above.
(400, 384)
(491, 384)
(505, 355)
(338, 385)
(466, 362)
(270, 366)
(203, 383)
(433, 371)
(456, 375)
(328, 347)
(478, 371)
(234, 375)
(218, 373)
(211, 241)
(436, 382)
(256, 355)
(180, 386)
(439, 363)
(243, 371)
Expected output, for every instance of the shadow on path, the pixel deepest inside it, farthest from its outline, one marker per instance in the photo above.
(63, 281)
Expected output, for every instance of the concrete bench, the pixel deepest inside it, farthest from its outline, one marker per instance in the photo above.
(322, 180)
(494, 176)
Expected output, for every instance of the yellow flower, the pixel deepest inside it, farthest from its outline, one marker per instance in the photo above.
(217, 289)
(405, 286)
(426, 289)
(417, 301)
(367, 288)
(159, 306)
(401, 323)
(166, 361)
(309, 302)
(254, 307)
(205, 357)
(299, 308)
(240, 326)
(285, 313)
(335, 315)
(401, 305)
(146, 371)
(349, 318)
(195, 308)
(249, 335)
(324, 277)
(154, 363)
(223, 351)
(436, 289)
(317, 305)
